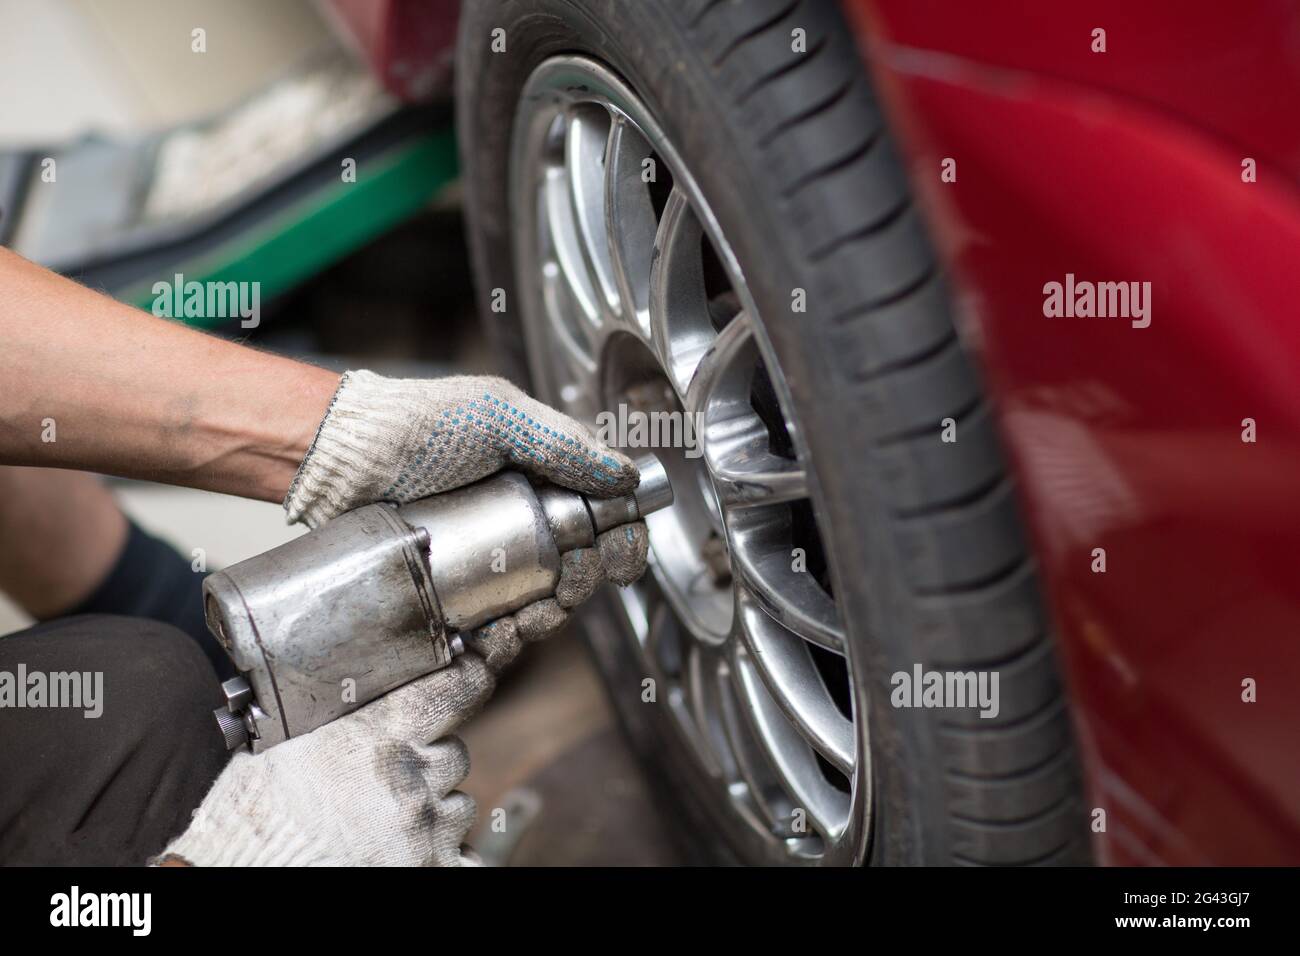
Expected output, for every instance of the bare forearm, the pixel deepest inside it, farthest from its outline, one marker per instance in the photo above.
(91, 384)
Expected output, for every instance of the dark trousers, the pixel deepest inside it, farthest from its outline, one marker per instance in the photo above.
(115, 788)
(112, 789)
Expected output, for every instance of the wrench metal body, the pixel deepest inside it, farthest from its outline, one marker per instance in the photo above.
(380, 596)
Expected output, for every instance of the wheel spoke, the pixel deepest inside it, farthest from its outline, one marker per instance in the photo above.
(568, 250)
(745, 471)
(756, 787)
(584, 161)
(573, 344)
(790, 756)
(787, 668)
(664, 653)
(762, 558)
(760, 479)
(719, 383)
(706, 705)
(640, 614)
(691, 699)
(630, 220)
(679, 310)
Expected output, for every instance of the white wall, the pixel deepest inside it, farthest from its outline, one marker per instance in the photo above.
(71, 66)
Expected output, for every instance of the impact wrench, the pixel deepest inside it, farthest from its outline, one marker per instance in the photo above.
(384, 594)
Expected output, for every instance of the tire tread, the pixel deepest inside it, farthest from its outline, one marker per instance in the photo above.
(1012, 784)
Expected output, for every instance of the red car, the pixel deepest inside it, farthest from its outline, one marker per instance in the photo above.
(987, 313)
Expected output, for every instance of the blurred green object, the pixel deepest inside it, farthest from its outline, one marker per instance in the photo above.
(316, 232)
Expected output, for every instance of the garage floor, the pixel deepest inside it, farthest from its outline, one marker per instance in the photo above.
(547, 752)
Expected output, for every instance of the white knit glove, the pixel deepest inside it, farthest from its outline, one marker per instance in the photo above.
(400, 440)
(369, 789)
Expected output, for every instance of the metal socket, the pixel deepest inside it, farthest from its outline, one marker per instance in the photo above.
(652, 494)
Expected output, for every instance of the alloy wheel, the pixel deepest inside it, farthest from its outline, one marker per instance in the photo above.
(633, 296)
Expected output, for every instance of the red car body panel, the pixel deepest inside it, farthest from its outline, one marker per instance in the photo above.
(408, 43)
(1127, 166)
(1117, 166)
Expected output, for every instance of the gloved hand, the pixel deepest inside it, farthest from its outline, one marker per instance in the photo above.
(368, 789)
(391, 439)
(400, 440)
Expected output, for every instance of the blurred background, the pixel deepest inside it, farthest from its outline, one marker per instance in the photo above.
(227, 165)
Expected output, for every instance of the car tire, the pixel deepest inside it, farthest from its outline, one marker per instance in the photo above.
(928, 560)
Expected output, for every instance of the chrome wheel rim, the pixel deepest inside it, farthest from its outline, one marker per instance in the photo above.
(631, 294)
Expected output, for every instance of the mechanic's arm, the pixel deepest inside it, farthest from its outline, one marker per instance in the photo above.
(124, 393)
(95, 385)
